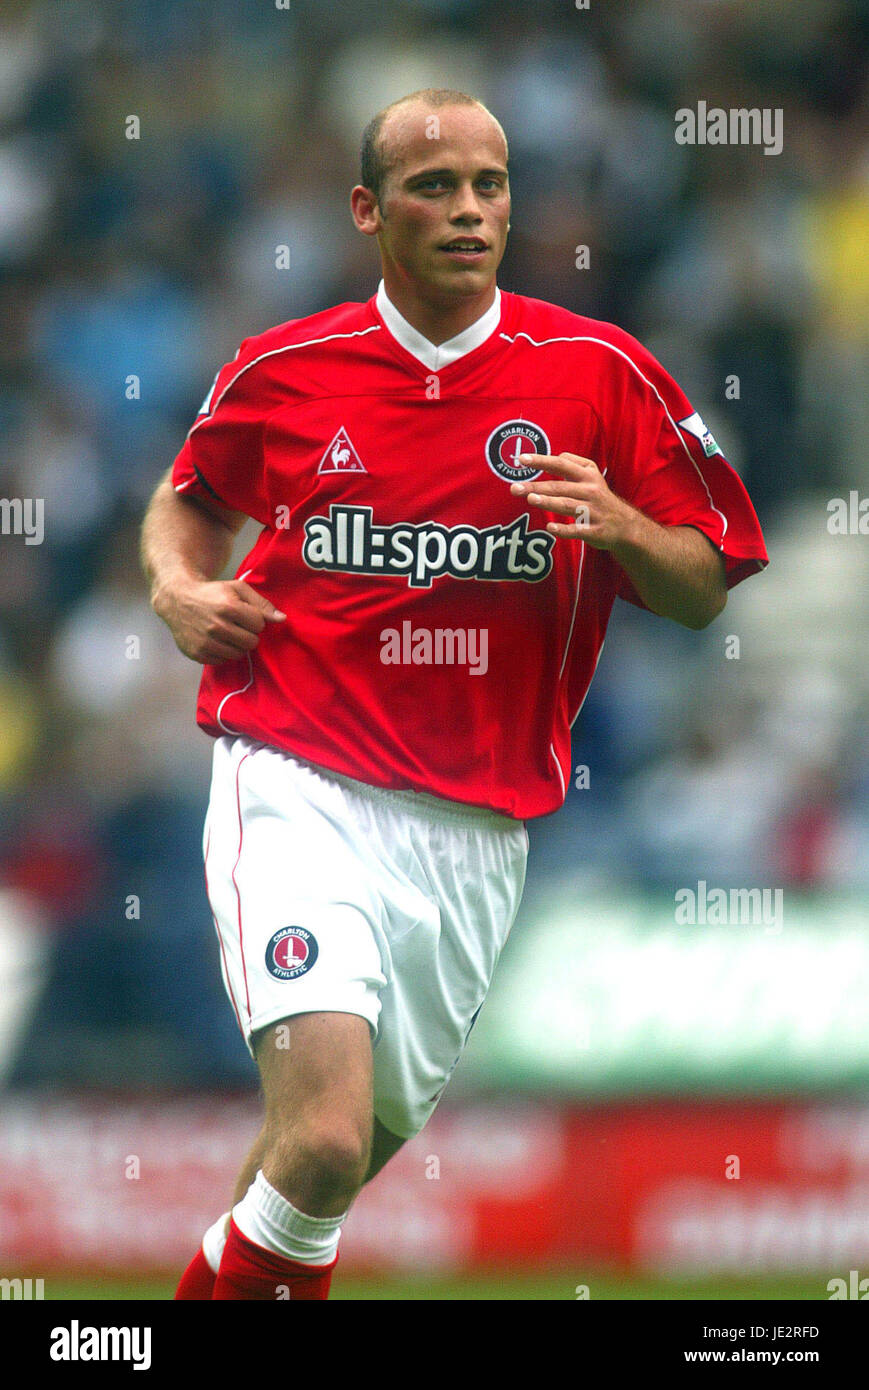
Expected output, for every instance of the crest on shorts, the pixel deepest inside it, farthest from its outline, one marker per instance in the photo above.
(507, 442)
(291, 953)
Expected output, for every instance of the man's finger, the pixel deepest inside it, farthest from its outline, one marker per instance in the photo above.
(237, 635)
(570, 506)
(559, 487)
(211, 652)
(260, 602)
(565, 464)
(236, 616)
(219, 652)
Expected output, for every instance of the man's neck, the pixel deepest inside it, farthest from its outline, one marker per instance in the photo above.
(436, 321)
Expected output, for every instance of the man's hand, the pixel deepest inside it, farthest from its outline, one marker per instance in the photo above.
(676, 570)
(214, 620)
(598, 516)
(186, 543)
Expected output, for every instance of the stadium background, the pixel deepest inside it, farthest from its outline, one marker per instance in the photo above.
(624, 1061)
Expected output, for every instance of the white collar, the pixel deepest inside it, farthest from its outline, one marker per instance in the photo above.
(436, 355)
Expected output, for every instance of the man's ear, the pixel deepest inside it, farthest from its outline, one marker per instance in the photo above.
(365, 210)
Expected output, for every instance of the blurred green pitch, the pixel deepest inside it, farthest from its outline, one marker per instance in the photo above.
(495, 1287)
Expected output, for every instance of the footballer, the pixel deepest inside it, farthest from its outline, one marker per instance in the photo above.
(444, 458)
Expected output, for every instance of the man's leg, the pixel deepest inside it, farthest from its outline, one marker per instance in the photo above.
(383, 1146)
(251, 1166)
(198, 1280)
(316, 1072)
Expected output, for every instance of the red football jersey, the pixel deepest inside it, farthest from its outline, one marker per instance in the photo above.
(438, 638)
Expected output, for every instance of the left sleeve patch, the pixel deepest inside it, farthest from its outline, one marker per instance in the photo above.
(205, 408)
(694, 424)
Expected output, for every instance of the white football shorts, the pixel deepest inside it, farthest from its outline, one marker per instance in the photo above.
(331, 895)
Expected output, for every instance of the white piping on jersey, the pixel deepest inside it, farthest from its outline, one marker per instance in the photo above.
(587, 338)
(241, 690)
(560, 773)
(272, 352)
(575, 601)
(561, 672)
(575, 605)
(588, 687)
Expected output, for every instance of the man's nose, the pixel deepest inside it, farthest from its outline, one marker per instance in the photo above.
(466, 205)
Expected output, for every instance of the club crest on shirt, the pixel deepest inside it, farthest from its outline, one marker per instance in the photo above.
(507, 441)
(291, 952)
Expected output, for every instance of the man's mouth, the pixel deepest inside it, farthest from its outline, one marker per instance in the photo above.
(465, 248)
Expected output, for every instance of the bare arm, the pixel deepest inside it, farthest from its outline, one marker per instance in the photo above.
(675, 569)
(185, 546)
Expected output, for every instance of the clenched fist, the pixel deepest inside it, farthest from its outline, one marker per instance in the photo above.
(214, 620)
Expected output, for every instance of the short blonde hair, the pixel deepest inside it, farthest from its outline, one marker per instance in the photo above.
(374, 161)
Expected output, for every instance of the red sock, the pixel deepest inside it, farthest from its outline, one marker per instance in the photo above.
(197, 1281)
(250, 1273)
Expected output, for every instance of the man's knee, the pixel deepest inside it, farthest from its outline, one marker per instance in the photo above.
(321, 1159)
(339, 1150)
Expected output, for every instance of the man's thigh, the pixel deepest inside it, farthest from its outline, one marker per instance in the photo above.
(340, 901)
(316, 1070)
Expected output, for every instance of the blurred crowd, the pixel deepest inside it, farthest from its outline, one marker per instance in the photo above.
(152, 159)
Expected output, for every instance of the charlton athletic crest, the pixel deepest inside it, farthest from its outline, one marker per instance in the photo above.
(507, 442)
(291, 953)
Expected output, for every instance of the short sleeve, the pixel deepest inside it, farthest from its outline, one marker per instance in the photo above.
(222, 456)
(667, 464)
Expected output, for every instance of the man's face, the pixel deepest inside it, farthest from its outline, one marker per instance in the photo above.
(444, 207)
